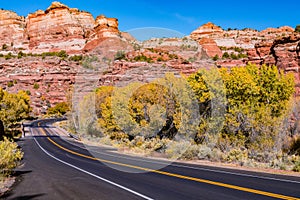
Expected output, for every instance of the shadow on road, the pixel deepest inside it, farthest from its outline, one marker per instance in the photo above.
(25, 197)
(18, 173)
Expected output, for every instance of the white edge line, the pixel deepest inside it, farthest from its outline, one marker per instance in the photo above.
(190, 167)
(91, 174)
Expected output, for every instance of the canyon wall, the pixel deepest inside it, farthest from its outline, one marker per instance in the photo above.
(110, 57)
(57, 28)
(273, 46)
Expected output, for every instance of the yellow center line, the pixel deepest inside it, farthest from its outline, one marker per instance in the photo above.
(254, 191)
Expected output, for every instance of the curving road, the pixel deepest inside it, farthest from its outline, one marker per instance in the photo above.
(57, 167)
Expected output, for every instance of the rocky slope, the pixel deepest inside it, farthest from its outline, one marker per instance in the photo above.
(51, 80)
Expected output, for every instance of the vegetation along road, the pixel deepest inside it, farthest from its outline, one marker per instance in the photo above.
(56, 167)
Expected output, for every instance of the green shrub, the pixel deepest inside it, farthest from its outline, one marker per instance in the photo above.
(62, 54)
(216, 57)
(87, 61)
(4, 46)
(297, 29)
(225, 55)
(233, 56)
(10, 84)
(28, 92)
(120, 55)
(21, 54)
(36, 86)
(241, 55)
(238, 49)
(8, 56)
(76, 58)
(142, 58)
(159, 59)
(10, 155)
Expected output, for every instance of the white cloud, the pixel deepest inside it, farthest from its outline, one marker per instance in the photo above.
(186, 19)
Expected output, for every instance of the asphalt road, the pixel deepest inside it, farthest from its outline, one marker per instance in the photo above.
(57, 167)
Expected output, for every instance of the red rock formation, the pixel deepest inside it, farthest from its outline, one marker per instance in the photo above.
(57, 28)
(104, 28)
(12, 32)
(273, 46)
(210, 47)
(206, 30)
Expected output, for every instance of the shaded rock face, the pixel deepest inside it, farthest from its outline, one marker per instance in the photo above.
(57, 28)
(210, 47)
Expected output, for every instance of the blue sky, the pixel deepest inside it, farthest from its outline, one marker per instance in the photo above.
(183, 16)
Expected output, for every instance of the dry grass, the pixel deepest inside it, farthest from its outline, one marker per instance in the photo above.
(5, 184)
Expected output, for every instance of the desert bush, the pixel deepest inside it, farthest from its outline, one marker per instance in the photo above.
(105, 140)
(88, 62)
(4, 46)
(14, 107)
(9, 56)
(118, 136)
(236, 155)
(216, 57)
(204, 152)
(154, 144)
(225, 55)
(217, 155)
(182, 150)
(279, 164)
(62, 54)
(143, 58)
(76, 58)
(36, 86)
(295, 146)
(59, 109)
(297, 29)
(120, 55)
(190, 153)
(10, 84)
(296, 167)
(10, 155)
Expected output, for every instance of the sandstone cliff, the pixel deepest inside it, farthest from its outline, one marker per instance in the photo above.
(272, 46)
(57, 28)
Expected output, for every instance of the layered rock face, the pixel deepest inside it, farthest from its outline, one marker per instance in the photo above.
(57, 28)
(210, 47)
(273, 46)
(12, 30)
(206, 31)
(46, 80)
(52, 80)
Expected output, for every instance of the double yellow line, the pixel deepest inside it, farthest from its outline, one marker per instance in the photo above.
(244, 189)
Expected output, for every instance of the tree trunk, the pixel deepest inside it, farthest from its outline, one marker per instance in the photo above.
(2, 133)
